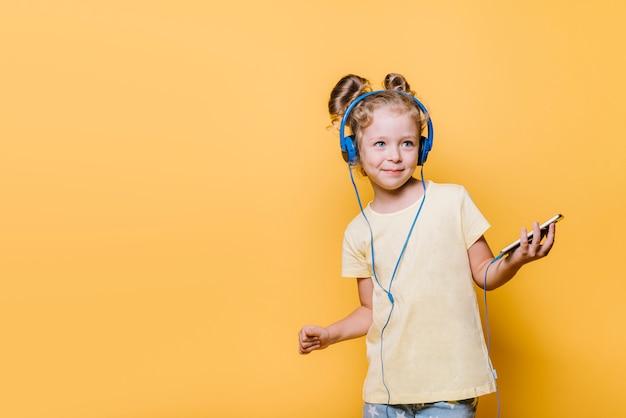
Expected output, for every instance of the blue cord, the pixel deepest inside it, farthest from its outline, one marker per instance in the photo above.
(393, 275)
(390, 296)
(493, 371)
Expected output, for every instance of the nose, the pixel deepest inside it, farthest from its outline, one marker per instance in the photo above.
(394, 154)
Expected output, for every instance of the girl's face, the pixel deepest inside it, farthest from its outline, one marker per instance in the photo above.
(388, 149)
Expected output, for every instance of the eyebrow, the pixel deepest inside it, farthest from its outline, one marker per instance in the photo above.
(378, 138)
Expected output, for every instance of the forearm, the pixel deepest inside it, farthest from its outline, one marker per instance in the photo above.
(352, 326)
(496, 273)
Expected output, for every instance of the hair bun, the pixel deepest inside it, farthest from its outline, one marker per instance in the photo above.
(345, 92)
(394, 81)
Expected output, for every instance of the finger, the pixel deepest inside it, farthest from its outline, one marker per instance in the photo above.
(312, 332)
(307, 348)
(303, 334)
(523, 240)
(538, 249)
(303, 345)
(536, 234)
(307, 337)
(549, 242)
(309, 343)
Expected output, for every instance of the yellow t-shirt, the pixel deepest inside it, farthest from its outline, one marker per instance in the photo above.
(433, 348)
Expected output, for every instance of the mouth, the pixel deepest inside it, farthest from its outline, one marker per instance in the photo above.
(393, 171)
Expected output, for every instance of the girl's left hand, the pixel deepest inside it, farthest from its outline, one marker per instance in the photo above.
(538, 248)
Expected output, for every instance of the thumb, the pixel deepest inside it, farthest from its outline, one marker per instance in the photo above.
(311, 331)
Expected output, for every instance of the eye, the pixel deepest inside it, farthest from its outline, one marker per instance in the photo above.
(379, 144)
(408, 143)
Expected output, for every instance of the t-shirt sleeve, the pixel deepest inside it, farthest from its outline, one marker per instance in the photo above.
(474, 223)
(354, 260)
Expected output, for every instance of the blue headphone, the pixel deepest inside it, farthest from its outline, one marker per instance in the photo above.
(347, 143)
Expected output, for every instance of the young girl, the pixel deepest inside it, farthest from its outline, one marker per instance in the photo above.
(415, 251)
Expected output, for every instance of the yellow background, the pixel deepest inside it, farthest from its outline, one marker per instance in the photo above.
(172, 204)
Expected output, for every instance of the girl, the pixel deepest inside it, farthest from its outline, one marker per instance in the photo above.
(415, 251)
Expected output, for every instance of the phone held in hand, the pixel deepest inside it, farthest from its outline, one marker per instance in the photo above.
(544, 231)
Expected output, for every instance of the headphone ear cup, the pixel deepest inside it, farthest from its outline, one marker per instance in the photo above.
(426, 144)
(348, 150)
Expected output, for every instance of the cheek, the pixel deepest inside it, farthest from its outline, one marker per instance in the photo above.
(411, 154)
(369, 158)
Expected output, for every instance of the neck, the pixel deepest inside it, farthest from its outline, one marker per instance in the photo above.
(386, 201)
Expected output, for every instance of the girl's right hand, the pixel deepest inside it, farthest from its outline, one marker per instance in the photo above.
(313, 338)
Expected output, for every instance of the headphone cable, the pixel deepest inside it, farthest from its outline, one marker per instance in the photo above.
(488, 332)
(393, 276)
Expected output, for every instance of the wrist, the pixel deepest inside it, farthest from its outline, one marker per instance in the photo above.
(332, 334)
(510, 264)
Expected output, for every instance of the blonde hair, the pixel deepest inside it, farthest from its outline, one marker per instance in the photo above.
(350, 87)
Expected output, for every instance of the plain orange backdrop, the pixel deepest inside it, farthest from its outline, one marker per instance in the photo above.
(172, 203)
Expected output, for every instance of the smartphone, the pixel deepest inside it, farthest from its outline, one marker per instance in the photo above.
(544, 231)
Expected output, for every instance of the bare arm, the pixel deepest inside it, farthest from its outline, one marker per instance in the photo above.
(354, 325)
(503, 270)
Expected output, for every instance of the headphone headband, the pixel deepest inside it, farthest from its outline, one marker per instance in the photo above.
(347, 143)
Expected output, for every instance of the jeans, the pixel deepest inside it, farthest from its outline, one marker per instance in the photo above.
(460, 409)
